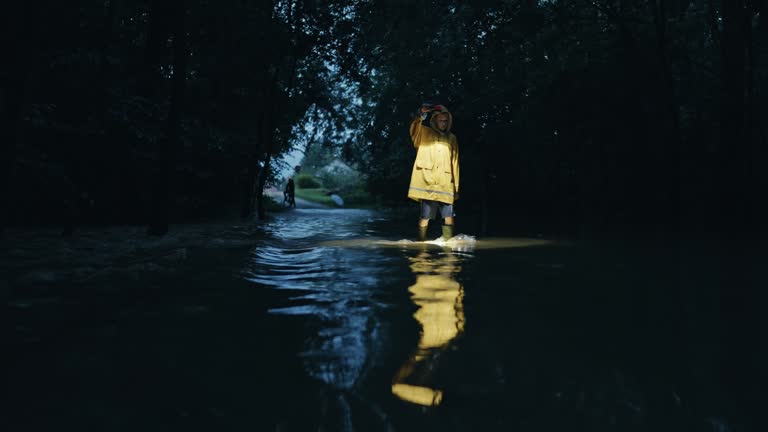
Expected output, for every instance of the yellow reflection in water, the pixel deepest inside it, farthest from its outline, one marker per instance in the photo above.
(441, 315)
(418, 395)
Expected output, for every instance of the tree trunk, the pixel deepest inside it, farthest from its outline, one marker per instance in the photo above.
(670, 154)
(264, 132)
(102, 86)
(159, 15)
(171, 143)
(149, 83)
(253, 172)
(739, 293)
(249, 189)
(734, 147)
(12, 85)
(591, 224)
(484, 192)
(261, 210)
(759, 106)
(11, 109)
(273, 108)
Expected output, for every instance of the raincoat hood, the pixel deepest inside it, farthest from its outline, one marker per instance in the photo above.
(433, 120)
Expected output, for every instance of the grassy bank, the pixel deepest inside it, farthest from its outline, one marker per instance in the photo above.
(352, 199)
(316, 195)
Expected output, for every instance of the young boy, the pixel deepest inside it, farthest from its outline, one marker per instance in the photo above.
(435, 175)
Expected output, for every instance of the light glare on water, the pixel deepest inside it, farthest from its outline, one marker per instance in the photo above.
(440, 313)
(459, 243)
(339, 277)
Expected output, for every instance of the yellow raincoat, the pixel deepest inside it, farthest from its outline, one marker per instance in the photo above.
(435, 173)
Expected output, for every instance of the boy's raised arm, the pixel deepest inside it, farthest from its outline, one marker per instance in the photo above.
(417, 129)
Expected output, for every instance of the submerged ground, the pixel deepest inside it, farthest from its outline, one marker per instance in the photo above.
(323, 319)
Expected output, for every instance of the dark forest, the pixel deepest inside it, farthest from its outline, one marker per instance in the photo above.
(629, 122)
(582, 117)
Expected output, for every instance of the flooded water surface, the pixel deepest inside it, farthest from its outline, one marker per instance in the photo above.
(335, 320)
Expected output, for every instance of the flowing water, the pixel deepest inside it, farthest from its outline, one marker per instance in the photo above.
(334, 320)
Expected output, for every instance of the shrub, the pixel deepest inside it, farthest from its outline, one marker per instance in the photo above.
(272, 205)
(357, 196)
(306, 181)
(339, 180)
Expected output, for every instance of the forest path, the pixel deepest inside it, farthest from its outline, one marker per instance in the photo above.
(277, 195)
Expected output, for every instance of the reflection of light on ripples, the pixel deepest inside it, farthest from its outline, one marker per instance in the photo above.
(335, 288)
(418, 395)
(441, 315)
(440, 311)
(333, 278)
(304, 223)
(439, 297)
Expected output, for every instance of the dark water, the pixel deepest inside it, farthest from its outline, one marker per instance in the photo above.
(330, 323)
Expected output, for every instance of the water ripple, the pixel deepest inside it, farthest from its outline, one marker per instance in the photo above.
(336, 289)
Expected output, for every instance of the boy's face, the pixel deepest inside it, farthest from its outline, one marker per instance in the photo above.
(442, 122)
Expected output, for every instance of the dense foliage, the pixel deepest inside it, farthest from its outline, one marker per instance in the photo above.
(120, 111)
(579, 116)
(306, 181)
(573, 116)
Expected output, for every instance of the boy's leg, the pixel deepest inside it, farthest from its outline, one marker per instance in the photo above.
(446, 211)
(447, 231)
(423, 224)
(426, 212)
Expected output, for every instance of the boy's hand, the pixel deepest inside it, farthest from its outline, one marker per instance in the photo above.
(431, 107)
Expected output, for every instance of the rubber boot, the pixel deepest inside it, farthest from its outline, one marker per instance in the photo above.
(447, 232)
(422, 233)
